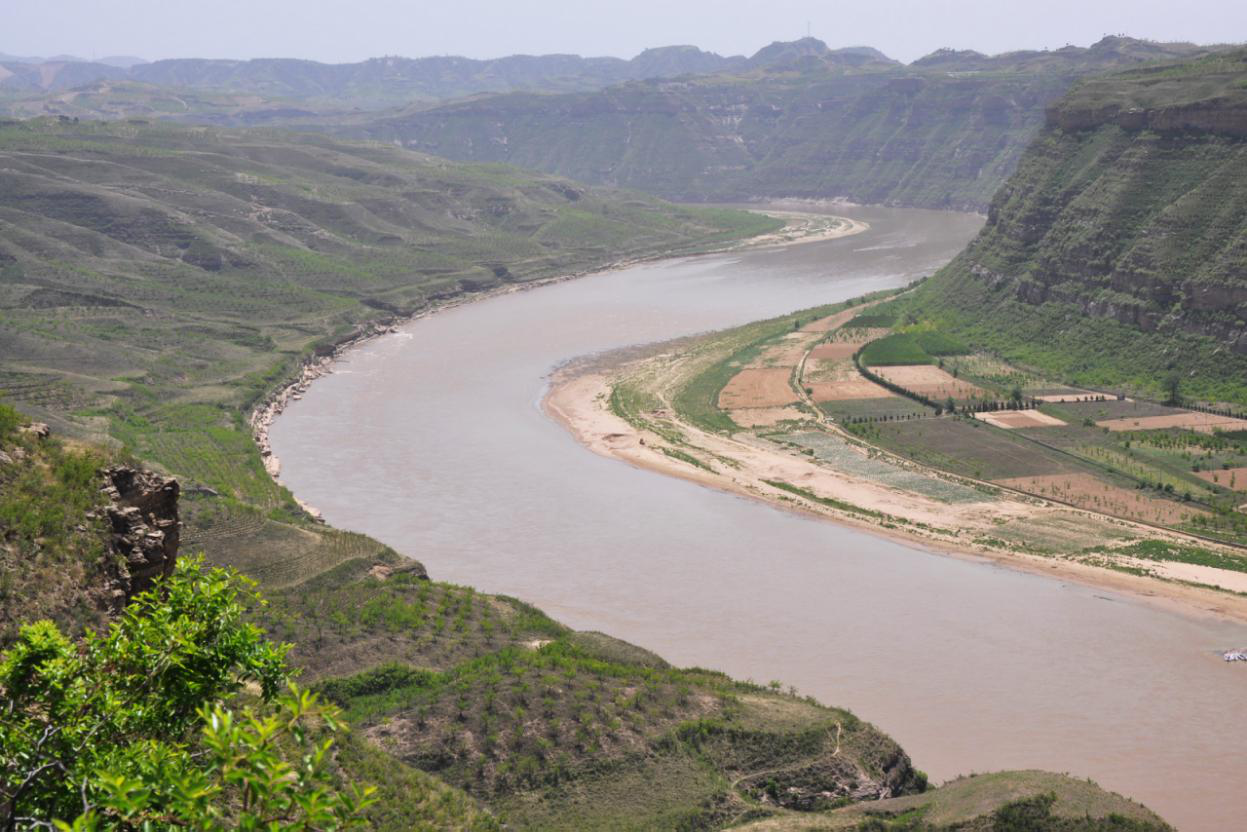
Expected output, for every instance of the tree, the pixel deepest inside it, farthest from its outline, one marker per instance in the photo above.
(1015, 396)
(1173, 388)
(133, 728)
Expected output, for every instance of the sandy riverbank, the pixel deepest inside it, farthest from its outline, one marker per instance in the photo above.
(578, 399)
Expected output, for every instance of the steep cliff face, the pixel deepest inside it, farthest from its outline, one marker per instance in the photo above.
(1130, 209)
(943, 132)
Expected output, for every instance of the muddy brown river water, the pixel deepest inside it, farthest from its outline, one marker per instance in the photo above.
(433, 440)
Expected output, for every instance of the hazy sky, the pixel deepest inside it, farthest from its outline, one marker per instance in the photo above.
(350, 30)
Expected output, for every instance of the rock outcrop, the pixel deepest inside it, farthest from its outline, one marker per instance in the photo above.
(144, 529)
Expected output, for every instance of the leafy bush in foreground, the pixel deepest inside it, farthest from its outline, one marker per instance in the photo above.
(130, 729)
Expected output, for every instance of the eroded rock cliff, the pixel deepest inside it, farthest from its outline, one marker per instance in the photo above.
(1118, 250)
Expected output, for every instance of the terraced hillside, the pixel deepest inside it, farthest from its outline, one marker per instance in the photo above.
(1117, 254)
(943, 132)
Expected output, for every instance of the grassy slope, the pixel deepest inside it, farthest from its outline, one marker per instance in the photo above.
(942, 133)
(51, 558)
(1115, 255)
(156, 282)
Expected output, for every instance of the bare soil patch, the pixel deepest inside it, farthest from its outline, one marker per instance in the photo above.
(1194, 572)
(836, 391)
(1013, 419)
(835, 351)
(1089, 492)
(1201, 422)
(784, 354)
(928, 380)
(833, 321)
(1232, 478)
(755, 387)
(759, 417)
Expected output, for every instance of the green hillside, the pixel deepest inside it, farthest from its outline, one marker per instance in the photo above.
(157, 275)
(943, 132)
(1117, 254)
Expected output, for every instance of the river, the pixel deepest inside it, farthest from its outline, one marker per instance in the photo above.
(433, 441)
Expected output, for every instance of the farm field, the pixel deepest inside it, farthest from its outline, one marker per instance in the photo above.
(1234, 479)
(1142, 461)
(1202, 422)
(755, 387)
(890, 407)
(1091, 492)
(850, 389)
(932, 382)
(1016, 419)
(966, 447)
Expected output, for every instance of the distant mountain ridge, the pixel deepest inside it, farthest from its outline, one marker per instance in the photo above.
(802, 120)
(796, 119)
(392, 80)
(376, 82)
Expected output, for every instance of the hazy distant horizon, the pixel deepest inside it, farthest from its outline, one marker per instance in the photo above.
(334, 31)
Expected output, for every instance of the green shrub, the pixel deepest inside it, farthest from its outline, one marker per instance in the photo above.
(9, 420)
(129, 730)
